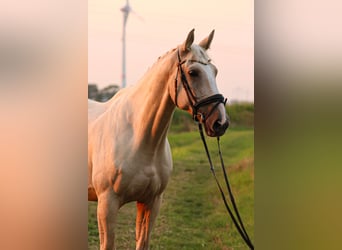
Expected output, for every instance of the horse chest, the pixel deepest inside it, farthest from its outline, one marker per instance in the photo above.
(143, 180)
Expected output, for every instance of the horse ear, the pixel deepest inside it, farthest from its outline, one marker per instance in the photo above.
(205, 43)
(189, 40)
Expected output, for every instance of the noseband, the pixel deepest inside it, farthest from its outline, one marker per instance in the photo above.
(194, 103)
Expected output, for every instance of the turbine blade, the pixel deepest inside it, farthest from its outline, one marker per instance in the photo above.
(137, 15)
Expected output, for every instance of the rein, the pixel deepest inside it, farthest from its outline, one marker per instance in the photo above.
(195, 106)
(237, 221)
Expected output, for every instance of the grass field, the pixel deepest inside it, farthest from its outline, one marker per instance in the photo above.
(193, 215)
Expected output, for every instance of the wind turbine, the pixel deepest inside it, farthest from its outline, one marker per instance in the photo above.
(126, 10)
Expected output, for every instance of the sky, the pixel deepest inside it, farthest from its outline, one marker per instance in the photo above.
(159, 26)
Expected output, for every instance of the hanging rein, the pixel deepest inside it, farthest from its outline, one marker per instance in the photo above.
(195, 106)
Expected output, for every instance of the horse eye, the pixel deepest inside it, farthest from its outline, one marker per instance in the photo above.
(193, 73)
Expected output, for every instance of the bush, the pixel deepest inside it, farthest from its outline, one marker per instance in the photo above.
(241, 115)
(182, 122)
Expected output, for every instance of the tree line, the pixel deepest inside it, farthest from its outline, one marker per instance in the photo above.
(102, 95)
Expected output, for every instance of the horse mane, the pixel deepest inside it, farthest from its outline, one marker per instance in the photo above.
(160, 57)
(166, 53)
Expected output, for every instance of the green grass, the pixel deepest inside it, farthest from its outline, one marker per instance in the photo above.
(192, 214)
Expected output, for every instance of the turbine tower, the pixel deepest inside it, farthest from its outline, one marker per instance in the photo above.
(125, 10)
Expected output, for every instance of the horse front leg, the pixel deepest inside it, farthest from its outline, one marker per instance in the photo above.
(107, 209)
(146, 216)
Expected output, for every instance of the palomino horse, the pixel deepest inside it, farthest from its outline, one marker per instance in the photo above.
(129, 157)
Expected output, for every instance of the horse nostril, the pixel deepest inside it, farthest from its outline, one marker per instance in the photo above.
(216, 126)
(220, 127)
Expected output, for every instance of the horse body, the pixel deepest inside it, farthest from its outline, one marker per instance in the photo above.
(129, 157)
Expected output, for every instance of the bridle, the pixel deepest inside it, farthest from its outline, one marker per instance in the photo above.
(193, 102)
(195, 105)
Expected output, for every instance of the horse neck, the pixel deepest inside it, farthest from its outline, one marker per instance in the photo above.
(153, 105)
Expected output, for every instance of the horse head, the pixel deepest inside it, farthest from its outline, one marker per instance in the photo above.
(195, 87)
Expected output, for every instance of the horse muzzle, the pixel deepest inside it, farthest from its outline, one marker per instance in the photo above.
(216, 128)
(220, 127)
(217, 122)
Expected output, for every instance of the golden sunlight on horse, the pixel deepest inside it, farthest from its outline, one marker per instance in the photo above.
(129, 157)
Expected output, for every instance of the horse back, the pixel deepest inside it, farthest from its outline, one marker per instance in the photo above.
(95, 109)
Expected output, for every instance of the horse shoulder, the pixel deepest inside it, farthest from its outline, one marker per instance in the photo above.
(109, 135)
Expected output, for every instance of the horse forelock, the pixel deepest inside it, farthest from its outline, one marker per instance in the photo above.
(198, 53)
